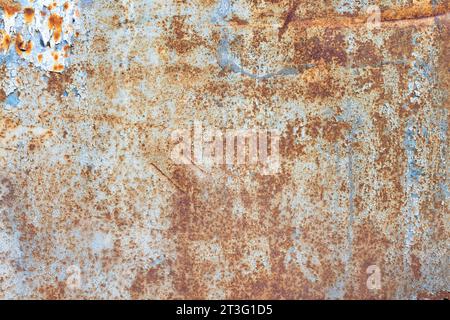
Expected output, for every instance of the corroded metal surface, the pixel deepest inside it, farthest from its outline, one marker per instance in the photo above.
(93, 205)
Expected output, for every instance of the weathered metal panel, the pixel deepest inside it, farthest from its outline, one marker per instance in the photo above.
(97, 102)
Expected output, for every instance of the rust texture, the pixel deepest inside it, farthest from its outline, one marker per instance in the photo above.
(93, 205)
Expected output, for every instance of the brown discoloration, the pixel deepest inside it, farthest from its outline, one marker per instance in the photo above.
(327, 49)
(180, 39)
(290, 15)
(6, 191)
(54, 292)
(367, 54)
(2, 95)
(57, 83)
(238, 21)
(443, 295)
(330, 130)
(400, 43)
(144, 280)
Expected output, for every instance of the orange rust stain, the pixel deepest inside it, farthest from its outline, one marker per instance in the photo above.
(180, 39)
(28, 14)
(416, 11)
(23, 47)
(58, 67)
(66, 5)
(5, 41)
(40, 57)
(52, 6)
(55, 24)
(66, 51)
(10, 7)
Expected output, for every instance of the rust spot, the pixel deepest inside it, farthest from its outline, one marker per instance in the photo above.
(415, 265)
(6, 191)
(58, 82)
(326, 49)
(10, 7)
(28, 14)
(2, 95)
(290, 15)
(367, 54)
(53, 292)
(180, 39)
(52, 6)
(55, 24)
(416, 11)
(143, 281)
(23, 47)
(5, 41)
(442, 295)
(238, 21)
(58, 67)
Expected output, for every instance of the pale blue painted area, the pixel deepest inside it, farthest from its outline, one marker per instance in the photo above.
(101, 241)
(443, 135)
(227, 60)
(345, 6)
(222, 11)
(421, 78)
(13, 100)
(225, 57)
(412, 175)
(86, 3)
(352, 112)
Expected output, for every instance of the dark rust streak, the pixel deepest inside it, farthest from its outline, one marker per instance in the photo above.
(167, 177)
(289, 17)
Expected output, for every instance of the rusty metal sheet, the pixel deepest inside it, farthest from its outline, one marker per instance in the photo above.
(224, 149)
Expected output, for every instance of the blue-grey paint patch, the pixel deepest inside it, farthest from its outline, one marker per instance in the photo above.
(443, 136)
(345, 6)
(227, 60)
(222, 11)
(13, 100)
(86, 3)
